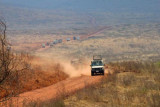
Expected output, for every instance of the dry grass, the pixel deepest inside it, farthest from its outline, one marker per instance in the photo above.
(117, 44)
(50, 103)
(125, 89)
(125, 42)
(34, 78)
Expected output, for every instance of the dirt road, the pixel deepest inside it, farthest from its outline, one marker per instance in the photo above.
(82, 37)
(65, 87)
(96, 32)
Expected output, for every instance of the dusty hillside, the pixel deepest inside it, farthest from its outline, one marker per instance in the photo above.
(126, 42)
(132, 84)
(121, 42)
(41, 73)
(138, 84)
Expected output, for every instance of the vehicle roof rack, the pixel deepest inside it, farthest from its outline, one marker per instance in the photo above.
(97, 57)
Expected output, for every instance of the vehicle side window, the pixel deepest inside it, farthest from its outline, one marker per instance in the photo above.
(100, 63)
(93, 63)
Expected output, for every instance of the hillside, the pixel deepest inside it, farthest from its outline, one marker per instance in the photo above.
(90, 5)
(137, 86)
(128, 84)
(60, 19)
(46, 53)
(27, 20)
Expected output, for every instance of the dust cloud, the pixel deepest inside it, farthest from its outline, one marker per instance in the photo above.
(76, 70)
(49, 64)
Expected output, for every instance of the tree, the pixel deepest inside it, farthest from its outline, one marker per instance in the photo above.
(4, 53)
(11, 64)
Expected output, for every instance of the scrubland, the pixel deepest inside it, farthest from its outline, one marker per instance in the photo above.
(40, 73)
(132, 84)
(121, 43)
(133, 51)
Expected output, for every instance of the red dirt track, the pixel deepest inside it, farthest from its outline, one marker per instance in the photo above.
(65, 87)
(37, 46)
(96, 32)
(82, 37)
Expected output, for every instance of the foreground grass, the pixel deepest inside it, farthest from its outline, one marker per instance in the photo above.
(138, 84)
(50, 103)
(133, 84)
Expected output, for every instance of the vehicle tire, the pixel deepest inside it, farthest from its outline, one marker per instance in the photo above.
(103, 73)
(92, 74)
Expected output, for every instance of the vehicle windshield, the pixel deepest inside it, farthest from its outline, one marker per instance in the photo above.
(97, 63)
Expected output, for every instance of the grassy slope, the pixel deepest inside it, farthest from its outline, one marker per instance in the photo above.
(126, 42)
(33, 78)
(137, 85)
(140, 87)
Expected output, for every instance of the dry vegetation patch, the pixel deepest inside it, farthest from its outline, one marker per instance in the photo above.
(33, 78)
(125, 89)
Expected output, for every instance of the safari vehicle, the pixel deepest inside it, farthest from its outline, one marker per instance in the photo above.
(97, 66)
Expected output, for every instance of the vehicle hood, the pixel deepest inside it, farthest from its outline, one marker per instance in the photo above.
(97, 66)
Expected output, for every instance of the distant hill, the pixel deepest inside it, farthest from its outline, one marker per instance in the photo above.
(44, 21)
(76, 15)
(90, 5)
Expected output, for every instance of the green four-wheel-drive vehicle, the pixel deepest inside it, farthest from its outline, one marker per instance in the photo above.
(97, 66)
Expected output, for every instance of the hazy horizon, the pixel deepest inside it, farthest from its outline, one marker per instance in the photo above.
(77, 14)
(90, 5)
